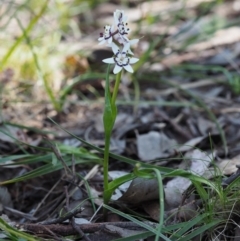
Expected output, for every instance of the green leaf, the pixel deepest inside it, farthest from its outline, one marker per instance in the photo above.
(116, 183)
(14, 233)
(141, 224)
(200, 230)
(54, 159)
(115, 156)
(48, 168)
(190, 224)
(144, 173)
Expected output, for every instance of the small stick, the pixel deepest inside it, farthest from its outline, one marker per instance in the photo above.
(77, 228)
(66, 230)
(59, 157)
(46, 196)
(62, 219)
(232, 178)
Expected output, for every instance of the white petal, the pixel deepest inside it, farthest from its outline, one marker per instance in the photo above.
(124, 18)
(109, 61)
(130, 52)
(115, 48)
(102, 42)
(126, 38)
(126, 47)
(110, 40)
(133, 41)
(117, 69)
(118, 12)
(133, 60)
(120, 39)
(116, 19)
(128, 68)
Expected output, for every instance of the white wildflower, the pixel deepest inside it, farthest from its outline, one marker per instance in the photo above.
(121, 59)
(119, 16)
(107, 35)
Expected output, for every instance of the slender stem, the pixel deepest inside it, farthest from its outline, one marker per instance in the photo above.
(105, 172)
(108, 140)
(106, 160)
(116, 87)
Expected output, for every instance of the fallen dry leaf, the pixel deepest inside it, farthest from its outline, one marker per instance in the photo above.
(228, 166)
(154, 145)
(199, 163)
(141, 190)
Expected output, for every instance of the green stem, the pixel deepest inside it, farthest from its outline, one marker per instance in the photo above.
(105, 164)
(116, 87)
(108, 133)
(105, 173)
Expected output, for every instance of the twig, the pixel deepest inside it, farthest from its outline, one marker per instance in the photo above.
(77, 228)
(46, 196)
(232, 178)
(90, 174)
(174, 124)
(19, 213)
(62, 219)
(52, 233)
(52, 207)
(66, 230)
(59, 157)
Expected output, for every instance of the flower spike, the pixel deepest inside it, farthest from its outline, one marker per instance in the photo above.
(121, 58)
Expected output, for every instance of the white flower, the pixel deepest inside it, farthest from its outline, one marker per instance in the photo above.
(132, 42)
(123, 28)
(119, 16)
(120, 20)
(107, 35)
(121, 38)
(121, 59)
(124, 41)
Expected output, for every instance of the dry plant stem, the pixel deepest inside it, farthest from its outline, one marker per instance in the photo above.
(77, 228)
(232, 178)
(89, 175)
(62, 219)
(17, 213)
(59, 157)
(52, 233)
(174, 124)
(46, 196)
(66, 230)
(51, 208)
